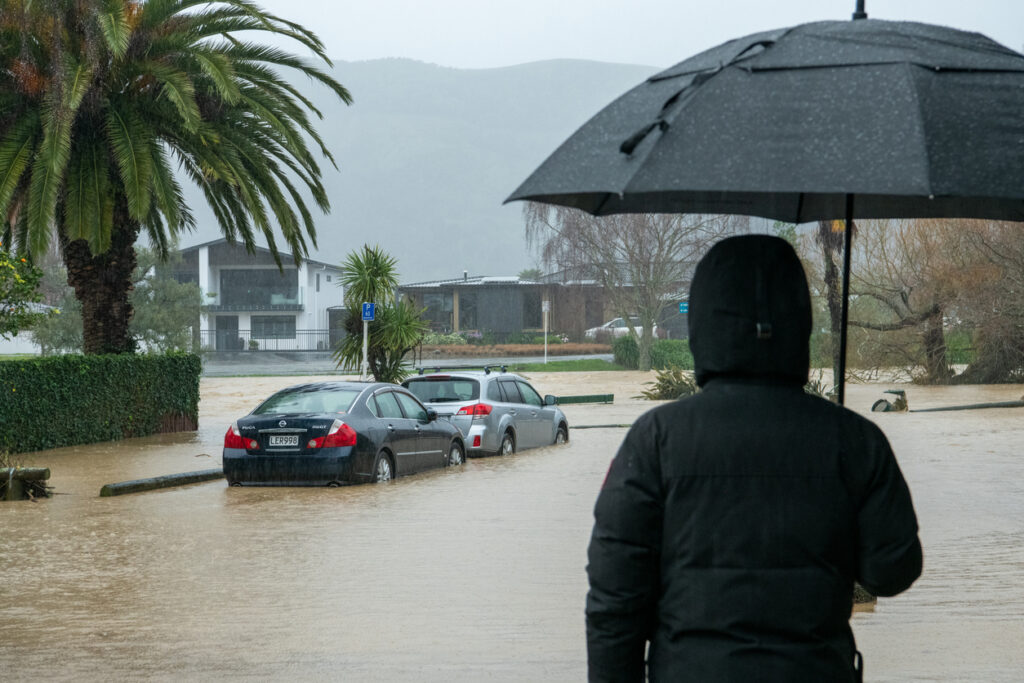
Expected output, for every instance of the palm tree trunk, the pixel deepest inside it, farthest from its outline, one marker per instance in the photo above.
(102, 283)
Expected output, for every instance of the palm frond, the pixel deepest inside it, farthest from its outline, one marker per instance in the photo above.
(131, 145)
(15, 153)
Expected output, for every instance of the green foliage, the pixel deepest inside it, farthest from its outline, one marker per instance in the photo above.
(61, 333)
(165, 309)
(530, 274)
(397, 328)
(671, 383)
(105, 104)
(625, 352)
(960, 348)
(67, 400)
(786, 231)
(438, 339)
(19, 289)
(665, 353)
(821, 349)
(816, 387)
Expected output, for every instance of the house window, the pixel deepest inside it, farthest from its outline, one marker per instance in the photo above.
(262, 287)
(467, 310)
(273, 327)
(532, 314)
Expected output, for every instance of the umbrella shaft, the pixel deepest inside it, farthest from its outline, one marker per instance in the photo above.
(860, 13)
(845, 315)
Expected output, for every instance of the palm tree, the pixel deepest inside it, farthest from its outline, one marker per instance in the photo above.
(370, 275)
(100, 101)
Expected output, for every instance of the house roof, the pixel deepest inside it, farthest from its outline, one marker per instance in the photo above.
(257, 248)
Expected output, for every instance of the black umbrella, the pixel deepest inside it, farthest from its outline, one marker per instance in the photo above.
(822, 121)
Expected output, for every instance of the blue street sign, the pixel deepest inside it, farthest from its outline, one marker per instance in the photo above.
(684, 307)
(368, 310)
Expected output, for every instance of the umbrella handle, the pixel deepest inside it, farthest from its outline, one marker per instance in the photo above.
(859, 13)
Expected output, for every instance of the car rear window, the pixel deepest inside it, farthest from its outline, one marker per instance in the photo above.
(333, 400)
(444, 389)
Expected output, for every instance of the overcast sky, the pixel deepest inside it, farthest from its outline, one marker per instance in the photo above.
(491, 33)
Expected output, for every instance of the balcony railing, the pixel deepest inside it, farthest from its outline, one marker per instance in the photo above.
(235, 308)
(243, 340)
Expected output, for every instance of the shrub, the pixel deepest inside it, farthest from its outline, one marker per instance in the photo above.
(671, 383)
(67, 400)
(667, 353)
(439, 339)
(625, 352)
(664, 353)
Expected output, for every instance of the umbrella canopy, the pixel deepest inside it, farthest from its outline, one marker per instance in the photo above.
(822, 121)
(914, 120)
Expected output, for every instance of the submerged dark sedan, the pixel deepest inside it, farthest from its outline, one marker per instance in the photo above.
(331, 433)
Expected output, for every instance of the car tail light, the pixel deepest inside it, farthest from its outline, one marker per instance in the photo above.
(476, 441)
(478, 410)
(339, 435)
(233, 439)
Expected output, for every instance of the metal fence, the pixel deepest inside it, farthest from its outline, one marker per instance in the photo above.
(243, 340)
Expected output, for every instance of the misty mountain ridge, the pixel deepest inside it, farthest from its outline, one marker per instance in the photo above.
(426, 155)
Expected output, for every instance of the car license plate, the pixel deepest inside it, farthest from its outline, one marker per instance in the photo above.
(290, 440)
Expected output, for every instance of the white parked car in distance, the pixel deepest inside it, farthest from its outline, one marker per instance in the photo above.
(617, 328)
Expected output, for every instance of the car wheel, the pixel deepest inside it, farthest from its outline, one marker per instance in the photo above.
(562, 436)
(456, 456)
(382, 470)
(508, 444)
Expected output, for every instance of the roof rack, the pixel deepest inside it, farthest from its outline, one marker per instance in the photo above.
(437, 368)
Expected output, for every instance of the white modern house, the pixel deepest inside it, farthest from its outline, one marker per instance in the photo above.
(250, 304)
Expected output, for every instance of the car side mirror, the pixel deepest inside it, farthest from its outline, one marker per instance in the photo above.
(550, 400)
(431, 414)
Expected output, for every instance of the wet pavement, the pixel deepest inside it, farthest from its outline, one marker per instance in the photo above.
(467, 574)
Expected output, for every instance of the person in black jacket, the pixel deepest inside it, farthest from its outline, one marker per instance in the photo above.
(733, 523)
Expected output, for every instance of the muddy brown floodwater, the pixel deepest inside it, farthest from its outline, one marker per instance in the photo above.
(468, 574)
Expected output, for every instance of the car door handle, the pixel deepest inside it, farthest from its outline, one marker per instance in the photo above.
(533, 414)
(391, 427)
(512, 411)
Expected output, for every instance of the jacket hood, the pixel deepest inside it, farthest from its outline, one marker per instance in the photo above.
(750, 311)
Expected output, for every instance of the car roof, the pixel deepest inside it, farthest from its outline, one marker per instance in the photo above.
(465, 374)
(335, 384)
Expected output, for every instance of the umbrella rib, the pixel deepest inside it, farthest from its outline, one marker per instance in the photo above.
(920, 132)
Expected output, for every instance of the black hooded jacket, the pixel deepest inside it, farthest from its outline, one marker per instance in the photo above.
(733, 523)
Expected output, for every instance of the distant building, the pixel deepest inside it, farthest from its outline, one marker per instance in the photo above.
(506, 305)
(251, 304)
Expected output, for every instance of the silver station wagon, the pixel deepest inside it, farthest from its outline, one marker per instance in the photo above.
(497, 412)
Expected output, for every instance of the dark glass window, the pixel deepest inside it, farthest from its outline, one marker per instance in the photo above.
(273, 327)
(467, 311)
(530, 396)
(443, 389)
(411, 406)
(263, 287)
(387, 406)
(510, 392)
(532, 315)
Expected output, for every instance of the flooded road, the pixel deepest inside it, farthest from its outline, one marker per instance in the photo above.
(467, 574)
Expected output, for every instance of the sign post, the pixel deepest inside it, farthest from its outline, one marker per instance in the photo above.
(545, 307)
(369, 309)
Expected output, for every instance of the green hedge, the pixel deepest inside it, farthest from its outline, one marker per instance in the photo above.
(67, 400)
(665, 353)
